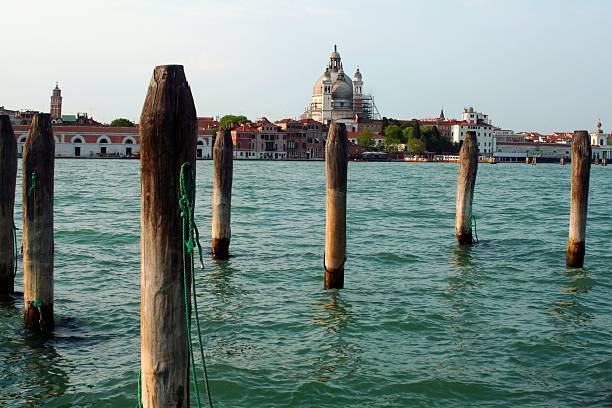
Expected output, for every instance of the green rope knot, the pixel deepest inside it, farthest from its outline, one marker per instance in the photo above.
(36, 303)
(32, 183)
(473, 221)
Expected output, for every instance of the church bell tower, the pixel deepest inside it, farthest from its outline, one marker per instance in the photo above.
(56, 103)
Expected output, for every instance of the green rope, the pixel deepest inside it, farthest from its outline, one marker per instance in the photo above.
(32, 189)
(191, 238)
(139, 405)
(473, 219)
(14, 250)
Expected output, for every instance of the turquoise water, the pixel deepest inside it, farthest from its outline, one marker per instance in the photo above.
(421, 322)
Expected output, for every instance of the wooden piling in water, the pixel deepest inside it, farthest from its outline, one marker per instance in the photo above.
(466, 181)
(581, 170)
(223, 158)
(168, 132)
(37, 195)
(8, 180)
(562, 161)
(336, 165)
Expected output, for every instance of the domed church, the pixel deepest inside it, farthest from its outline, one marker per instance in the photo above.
(335, 97)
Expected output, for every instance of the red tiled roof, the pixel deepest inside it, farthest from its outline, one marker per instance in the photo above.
(245, 128)
(84, 129)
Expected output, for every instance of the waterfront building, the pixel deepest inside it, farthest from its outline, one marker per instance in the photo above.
(296, 138)
(478, 123)
(599, 138)
(102, 141)
(517, 151)
(337, 97)
(601, 143)
(89, 141)
(244, 139)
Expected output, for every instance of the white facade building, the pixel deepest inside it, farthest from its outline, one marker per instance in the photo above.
(478, 123)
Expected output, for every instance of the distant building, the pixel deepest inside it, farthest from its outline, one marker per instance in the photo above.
(56, 103)
(102, 141)
(335, 97)
(598, 137)
(12, 114)
(520, 150)
(444, 125)
(296, 138)
(478, 123)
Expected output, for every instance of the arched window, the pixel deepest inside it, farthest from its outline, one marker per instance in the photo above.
(200, 143)
(22, 139)
(103, 141)
(77, 140)
(129, 141)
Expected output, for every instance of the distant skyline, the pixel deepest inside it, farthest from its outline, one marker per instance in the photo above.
(530, 65)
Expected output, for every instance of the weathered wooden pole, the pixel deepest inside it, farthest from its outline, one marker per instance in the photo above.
(581, 170)
(168, 133)
(223, 158)
(466, 181)
(336, 165)
(8, 180)
(37, 195)
(562, 161)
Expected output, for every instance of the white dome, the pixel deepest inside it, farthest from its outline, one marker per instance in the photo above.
(342, 90)
(330, 76)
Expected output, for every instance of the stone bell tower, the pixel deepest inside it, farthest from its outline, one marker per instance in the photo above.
(56, 103)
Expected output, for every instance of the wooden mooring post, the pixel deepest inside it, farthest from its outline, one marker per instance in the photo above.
(466, 181)
(581, 170)
(37, 195)
(8, 180)
(168, 133)
(223, 163)
(336, 165)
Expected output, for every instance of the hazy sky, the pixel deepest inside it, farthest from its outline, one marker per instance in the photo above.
(531, 65)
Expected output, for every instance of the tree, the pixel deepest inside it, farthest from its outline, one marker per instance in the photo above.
(416, 146)
(122, 122)
(407, 132)
(228, 120)
(416, 129)
(393, 136)
(365, 140)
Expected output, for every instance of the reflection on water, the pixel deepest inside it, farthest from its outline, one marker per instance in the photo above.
(32, 370)
(219, 280)
(462, 255)
(338, 355)
(569, 307)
